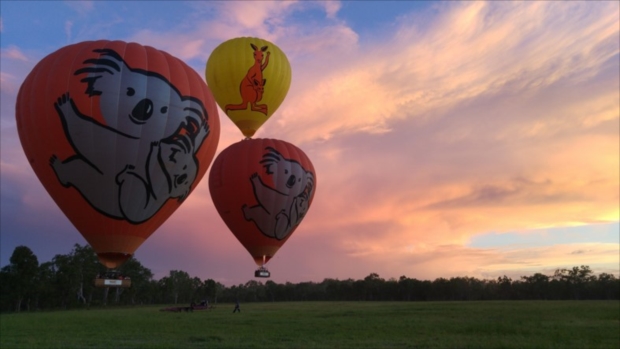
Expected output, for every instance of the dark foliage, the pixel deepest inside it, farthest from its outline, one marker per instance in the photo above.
(67, 282)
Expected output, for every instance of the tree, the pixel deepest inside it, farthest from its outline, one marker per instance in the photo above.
(255, 291)
(7, 293)
(177, 286)
(74, 274)
(607, 286)
(23, 270)
(440, 290)
(405, 288)
(576, 279)
(372, 286)
(505, 287)
(84, 261)
(65, 279)
(141, 282)
(537, 286)
(46, 293)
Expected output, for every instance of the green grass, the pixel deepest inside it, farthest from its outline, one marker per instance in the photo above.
(517, 324)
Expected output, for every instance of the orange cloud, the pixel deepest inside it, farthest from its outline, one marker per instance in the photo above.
(470, 118)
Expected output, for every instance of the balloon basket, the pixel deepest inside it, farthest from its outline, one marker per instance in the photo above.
(112, 279)
(262, 273)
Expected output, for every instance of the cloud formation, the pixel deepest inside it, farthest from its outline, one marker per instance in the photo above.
(468, 118)
(487, 116)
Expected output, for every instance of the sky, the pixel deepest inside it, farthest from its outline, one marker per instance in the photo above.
(449, 139)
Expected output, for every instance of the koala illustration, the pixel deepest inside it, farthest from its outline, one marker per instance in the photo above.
(282, 207)
(172, 168)
(151, 130)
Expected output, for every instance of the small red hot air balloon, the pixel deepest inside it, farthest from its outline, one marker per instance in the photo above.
(119, 134)
(262, 189)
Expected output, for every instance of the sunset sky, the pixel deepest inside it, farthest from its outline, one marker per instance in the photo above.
(449, 138)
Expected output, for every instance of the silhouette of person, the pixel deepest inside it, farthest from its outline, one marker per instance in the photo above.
(237, 309)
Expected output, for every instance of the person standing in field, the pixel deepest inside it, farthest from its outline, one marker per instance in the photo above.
(237, 309)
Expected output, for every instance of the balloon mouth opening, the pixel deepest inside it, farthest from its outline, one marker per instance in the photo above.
(113, 260)
(248, 127)
(261, 260)
(248, 133)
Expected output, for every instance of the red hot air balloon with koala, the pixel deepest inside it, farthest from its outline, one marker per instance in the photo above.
(119, 134)
(262, 189)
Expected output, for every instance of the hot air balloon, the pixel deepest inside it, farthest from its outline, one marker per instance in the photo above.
(119, 134)
(262, 189)
(249, 78)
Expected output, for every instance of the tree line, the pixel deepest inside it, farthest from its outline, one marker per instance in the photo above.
(67, 282)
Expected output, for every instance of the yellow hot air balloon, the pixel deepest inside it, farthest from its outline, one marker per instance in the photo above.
(249, 78)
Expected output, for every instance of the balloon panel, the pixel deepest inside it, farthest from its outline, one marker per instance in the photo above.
(119, 134)
(249, 78)
(262, 189)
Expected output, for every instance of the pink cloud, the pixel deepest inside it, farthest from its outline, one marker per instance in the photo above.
(81, 7)
(477, 117)
(490, 49)
(180, 46)
(252, 15)
(13, 52)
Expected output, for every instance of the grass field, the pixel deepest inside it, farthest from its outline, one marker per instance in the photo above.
(517, 324)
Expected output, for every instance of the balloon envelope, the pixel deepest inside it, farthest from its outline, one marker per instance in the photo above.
(249, 78)
(119, 134)
(262, 189)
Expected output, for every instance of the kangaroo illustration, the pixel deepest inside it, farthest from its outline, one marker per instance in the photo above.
(253, 85)
(281, 207)
(143, 153)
